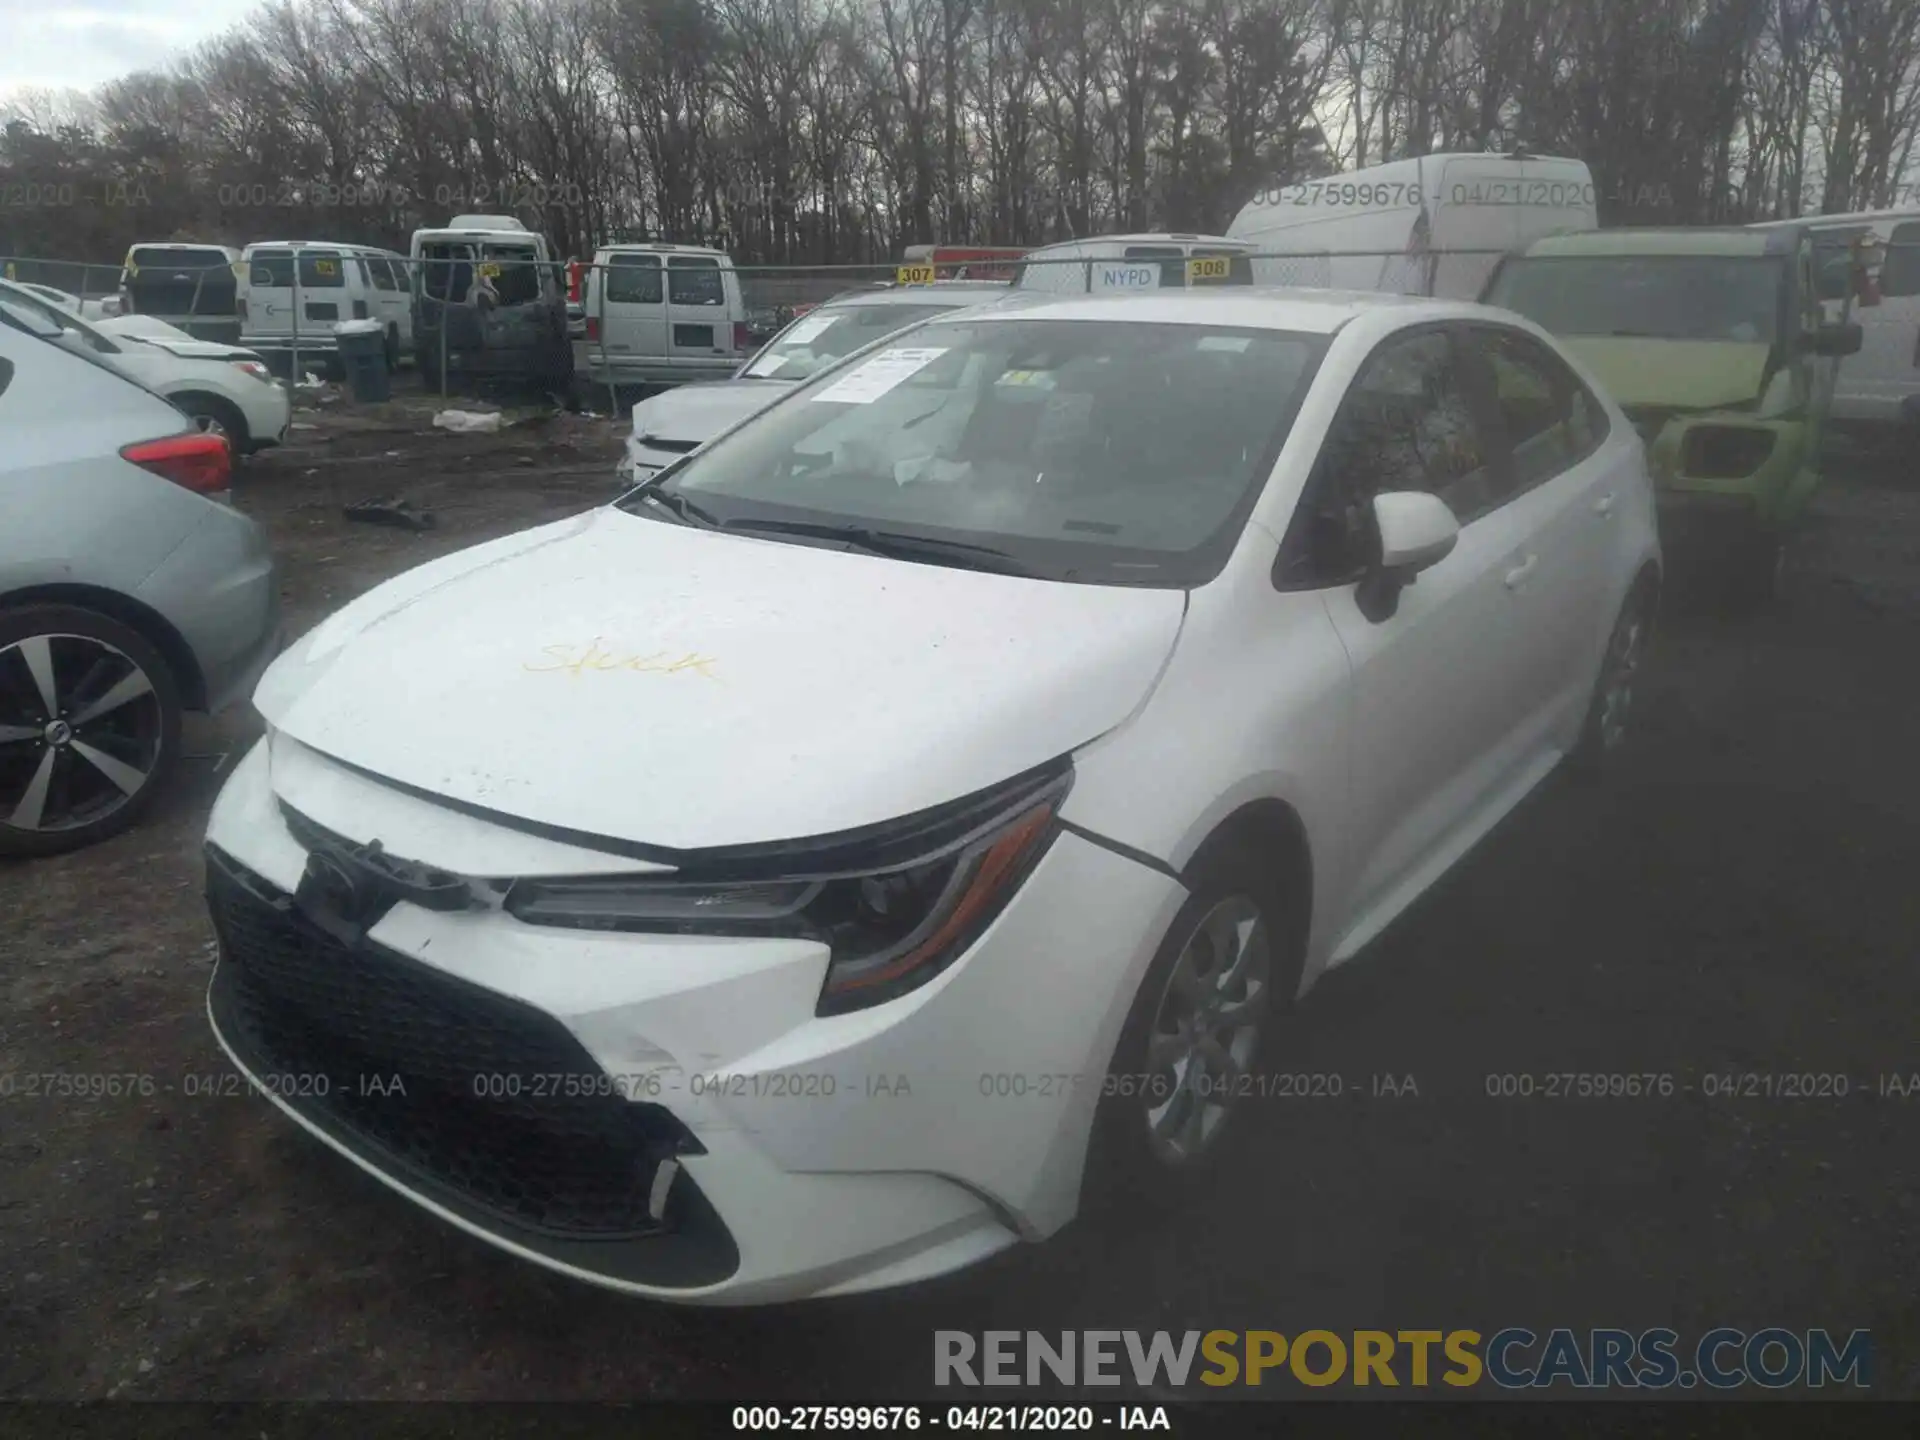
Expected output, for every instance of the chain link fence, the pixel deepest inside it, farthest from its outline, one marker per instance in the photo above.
(502, 311)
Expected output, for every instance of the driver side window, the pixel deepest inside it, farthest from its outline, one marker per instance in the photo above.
(1407, 423)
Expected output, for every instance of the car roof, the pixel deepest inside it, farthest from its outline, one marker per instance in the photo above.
(1258, 307)
(1851, 217)
(1730, 241)
(1154, 237)
(347, 246)
(659, 247)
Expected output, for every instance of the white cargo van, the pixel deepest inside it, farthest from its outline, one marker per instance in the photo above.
(1110, 263)
(1363, 230)
(293, 291)
(1875, 383)
(490, 298)
(659, 314)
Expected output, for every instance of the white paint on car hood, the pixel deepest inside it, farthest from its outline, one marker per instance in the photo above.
(700, 412)
(633, 679)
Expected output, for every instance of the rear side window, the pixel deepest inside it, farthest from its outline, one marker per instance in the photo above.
(1239, 270)
(633, 280)
(1900, 274)
(1173, 263)
(1552, 423)
(322, 269)
(271, 269)
(448, 269)
(694, 281)
(176, 257)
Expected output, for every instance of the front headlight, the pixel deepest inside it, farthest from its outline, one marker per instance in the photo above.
(891, 924)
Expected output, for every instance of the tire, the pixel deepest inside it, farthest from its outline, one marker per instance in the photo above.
(1146, 1099)
(1604, 730)
(65, 785)
(211, 412)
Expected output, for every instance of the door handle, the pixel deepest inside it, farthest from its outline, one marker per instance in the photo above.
(1603, 506)
(1517, 576)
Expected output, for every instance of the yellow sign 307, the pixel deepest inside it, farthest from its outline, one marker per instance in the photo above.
(914, 275)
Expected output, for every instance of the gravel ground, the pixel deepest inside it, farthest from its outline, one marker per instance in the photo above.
(1739, 901)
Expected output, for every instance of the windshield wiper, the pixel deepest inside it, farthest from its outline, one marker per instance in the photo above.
(891, 544)
(688, 512)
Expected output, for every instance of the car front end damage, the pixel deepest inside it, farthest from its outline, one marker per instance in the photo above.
(1725, 470)
(682, 1111)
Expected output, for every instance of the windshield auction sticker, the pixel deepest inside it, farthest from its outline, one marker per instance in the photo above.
(809, 328)
(879, 375)
(766, 365)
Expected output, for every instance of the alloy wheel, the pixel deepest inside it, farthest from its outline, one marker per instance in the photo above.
(81, 731)
(1623, 663)
(1206, 1031)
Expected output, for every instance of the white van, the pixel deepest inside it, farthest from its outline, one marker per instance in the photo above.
(1875, 382)
(1162, 260)
(190, 286)
(658, 314)
(489, 298)
(293, 291)
(1362, 230)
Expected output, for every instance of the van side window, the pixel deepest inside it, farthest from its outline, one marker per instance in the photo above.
(1833, 260)
(383, 278)
(1173, 262)
(633, 280)
(1552, 423)
(694, 280)
(449, 271)
(1900, 272)
(1407, 423)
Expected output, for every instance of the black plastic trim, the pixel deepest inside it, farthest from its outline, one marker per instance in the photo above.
(1139, 857)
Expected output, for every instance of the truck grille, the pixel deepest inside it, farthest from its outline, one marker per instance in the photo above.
(457, 1088)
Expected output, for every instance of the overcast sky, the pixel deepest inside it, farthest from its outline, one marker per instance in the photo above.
(76, 44)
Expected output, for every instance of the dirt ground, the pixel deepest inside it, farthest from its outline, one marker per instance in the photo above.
(1741, 900)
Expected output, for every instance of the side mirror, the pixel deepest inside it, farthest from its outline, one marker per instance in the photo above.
(1836, 340)
(1417, 531)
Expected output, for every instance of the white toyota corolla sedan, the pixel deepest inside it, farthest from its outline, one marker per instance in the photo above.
(794, 878)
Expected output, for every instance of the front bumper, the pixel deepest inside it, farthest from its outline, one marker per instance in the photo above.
(810, 1156)
(605, 369)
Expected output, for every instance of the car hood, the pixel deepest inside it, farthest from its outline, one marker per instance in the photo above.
(1674, 374)
(697, 413)
(661, 685)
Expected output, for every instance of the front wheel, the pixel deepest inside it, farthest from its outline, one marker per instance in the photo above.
(89, 728)
(1225, 973)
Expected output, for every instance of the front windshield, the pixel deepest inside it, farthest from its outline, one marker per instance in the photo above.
(831, 333)
(1661, 297)
(78, 331)
(1116, 453)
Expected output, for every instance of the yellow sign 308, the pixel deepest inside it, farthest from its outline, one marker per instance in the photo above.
(1207, 267)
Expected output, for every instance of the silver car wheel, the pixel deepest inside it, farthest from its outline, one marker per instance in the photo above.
(1623, 663)
(211, 425)
(81, 731)
(1206, 1030)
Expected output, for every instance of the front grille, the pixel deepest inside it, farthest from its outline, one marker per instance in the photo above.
(457, 1087)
